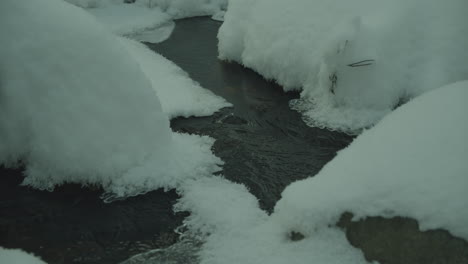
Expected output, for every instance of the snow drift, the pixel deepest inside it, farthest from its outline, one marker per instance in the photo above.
(76, 107)
(353, 60)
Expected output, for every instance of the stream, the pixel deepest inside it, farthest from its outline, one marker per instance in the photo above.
(263, 143)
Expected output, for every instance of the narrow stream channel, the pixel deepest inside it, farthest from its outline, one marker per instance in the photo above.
(265, 145)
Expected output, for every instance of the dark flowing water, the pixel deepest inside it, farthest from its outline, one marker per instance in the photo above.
(265, 145)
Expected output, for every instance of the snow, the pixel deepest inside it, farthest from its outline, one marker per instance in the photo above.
(18, 256)
(235, 230)
(414, 46)
(78, 108)
(411, 164)
(149, 20)
(127, 19)
(179, 95)
(190, 8)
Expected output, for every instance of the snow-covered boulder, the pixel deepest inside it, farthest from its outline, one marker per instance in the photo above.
(76, 107)
(353, 60)
(411, 164)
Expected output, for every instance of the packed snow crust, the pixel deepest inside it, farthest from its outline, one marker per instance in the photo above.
(179, 95)
(8, 256)
(320, 47)
(411, 164)
(77, 108)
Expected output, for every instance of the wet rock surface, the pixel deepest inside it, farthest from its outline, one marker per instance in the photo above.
(398, 240)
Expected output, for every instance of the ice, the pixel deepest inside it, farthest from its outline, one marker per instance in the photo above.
(77, 108)
(18, 256)
(354, 61)
(179, 95)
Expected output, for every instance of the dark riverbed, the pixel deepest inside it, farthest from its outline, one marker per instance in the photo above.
(265, 145)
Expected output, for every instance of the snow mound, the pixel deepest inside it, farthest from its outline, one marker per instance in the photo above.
(76, 107)
(411, 164)
(18, 256)
(354, 60)
(179, 95)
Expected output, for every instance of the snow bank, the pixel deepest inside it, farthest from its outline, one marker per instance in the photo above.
(179, 95)
(412, 164)
(76, 107)
(322, 46)
(18, 256)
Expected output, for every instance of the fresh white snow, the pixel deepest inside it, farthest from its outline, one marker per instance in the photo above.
(8, 256)
(77, 107)
(311, 45)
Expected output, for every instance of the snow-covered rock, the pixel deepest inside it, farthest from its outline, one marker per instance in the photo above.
(411, 164)
(76, 107)
(353, 60)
